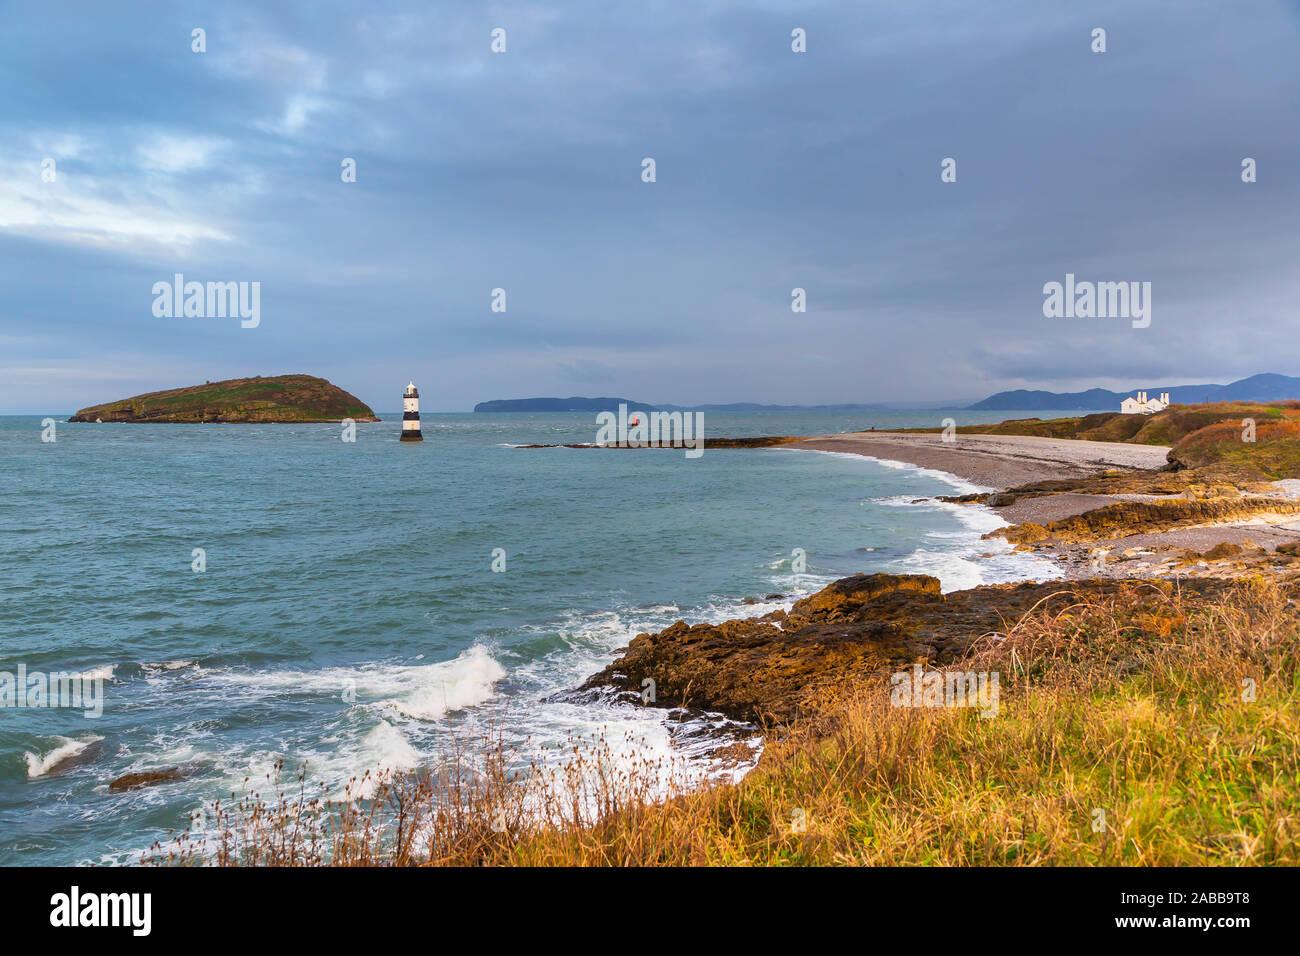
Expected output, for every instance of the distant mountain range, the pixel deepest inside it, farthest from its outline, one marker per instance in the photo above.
(1265, 387)
(1257, 388)
(611, 404)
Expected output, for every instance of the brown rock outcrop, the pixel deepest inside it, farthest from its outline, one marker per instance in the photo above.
(1134, 517)
(773, 669)
(150, 777)
(849, 594)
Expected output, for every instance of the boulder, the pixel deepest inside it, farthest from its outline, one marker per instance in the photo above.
(1225, 549)
(849, 594)
(149, 778)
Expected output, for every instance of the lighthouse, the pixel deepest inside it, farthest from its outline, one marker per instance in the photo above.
(411, 414)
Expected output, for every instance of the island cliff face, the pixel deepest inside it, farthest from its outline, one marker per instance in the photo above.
(279, 399)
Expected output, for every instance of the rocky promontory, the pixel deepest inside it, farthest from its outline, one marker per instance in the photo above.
(778, 668)
(277, 400)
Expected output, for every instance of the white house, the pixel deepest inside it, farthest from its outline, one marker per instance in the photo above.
(1142, 406)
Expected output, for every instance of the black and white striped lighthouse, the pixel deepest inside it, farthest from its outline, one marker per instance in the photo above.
(411, 414)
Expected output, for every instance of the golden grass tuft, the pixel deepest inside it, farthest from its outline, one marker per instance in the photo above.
(1133, 709)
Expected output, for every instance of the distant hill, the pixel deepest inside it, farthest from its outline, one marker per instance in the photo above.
(1267, 387)
(281, 398)
(611, 404)
(1258, 388)
(558, 405)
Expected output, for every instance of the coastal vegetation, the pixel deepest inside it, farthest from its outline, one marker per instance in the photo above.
(1256, 439)
(278, 399)
(1139, 724)
(1135, 517)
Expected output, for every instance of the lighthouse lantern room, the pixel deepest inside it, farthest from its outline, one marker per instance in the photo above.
(411, 414)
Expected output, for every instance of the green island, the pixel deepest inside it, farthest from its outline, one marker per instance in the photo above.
(280, 399)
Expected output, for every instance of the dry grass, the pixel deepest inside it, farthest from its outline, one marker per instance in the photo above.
(1134, 517)
(1132, 706)
(1203, 436)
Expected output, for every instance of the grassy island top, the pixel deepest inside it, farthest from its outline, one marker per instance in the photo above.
(279, 399)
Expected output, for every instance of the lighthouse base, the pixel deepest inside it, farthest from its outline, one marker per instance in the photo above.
(412, 436)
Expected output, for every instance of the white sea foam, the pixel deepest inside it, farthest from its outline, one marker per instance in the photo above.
(905, 501)
(103, 672)
(422, 691)
(431, 691)
(380, 705)
(631, 760)
(961, 485)
(38, 765)
(963, 565)
(384, 749)
(618, 734)
(349, 761)
(974, 560)
(955, 573)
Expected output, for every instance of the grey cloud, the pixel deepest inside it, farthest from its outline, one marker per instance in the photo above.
(775, 170)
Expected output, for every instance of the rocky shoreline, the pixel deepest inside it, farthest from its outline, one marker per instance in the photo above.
(1109, 525)
(784, 667)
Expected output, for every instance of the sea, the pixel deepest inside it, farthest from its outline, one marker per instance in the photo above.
(258, 595)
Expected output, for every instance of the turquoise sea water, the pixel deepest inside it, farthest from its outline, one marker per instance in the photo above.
(348, 616)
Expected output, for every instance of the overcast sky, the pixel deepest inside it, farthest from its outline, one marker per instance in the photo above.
(523, 170)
